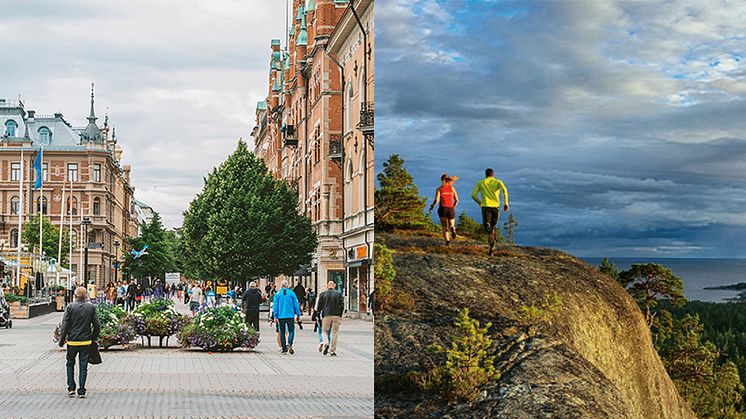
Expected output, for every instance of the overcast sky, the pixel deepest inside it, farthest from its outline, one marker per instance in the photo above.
(619, 127)
(180, 78)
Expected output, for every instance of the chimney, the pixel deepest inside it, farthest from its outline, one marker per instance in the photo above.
(58, 115)
(31, 115)
(127, 169)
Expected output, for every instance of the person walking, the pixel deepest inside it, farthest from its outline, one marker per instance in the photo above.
(489, 188)
(121, 294)
(80, 329)
(195, 298)
(317, 326)
(131, 295)
(210, 295)
(250, 302)
(446, 195)
(111, 293)
(286, 309)
(311, 300)
(300, 292)
(330, 305)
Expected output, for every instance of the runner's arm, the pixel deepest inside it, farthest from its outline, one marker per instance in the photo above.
(455, 196)
(475, 195)
(436, 199)
(506, 206)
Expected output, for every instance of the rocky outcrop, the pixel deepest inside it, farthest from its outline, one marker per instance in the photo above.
(595, 358)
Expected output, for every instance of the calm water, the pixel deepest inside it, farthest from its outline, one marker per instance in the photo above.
(696, 274)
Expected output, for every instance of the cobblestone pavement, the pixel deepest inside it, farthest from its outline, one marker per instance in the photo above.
(172, 382)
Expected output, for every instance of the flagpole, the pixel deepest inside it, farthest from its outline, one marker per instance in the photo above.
(41, 209)
(80, 235)
(20, 220)
(70, 252)
(59, 245)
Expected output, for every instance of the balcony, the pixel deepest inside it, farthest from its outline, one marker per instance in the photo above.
(289, 137)
(335, 148)
(367, 115)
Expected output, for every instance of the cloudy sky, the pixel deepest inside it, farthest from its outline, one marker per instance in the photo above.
(180, 78)
(619, 127)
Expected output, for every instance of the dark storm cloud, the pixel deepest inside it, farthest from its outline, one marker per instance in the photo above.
(617, 126)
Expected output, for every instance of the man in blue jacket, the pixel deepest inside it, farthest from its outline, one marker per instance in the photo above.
(285, 308)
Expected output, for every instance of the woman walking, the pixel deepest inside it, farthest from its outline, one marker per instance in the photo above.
(448, 198)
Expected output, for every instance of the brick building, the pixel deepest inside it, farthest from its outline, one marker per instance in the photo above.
(299, 134)
(85, 161)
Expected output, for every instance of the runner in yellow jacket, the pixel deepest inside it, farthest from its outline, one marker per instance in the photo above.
(489, 188)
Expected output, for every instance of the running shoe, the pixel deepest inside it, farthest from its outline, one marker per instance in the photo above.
(321, 346)
(290, 349)
(453, 232)
(326, 349)
(81, 396)
(71, 393)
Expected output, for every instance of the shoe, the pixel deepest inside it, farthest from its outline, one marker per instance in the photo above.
(71, 393)
(81, 396)
(321, 346)
(333, 354)
(453, 232)
(492, 251)
(326, 349)
(448, 243)
(284, 352)
(290, 349)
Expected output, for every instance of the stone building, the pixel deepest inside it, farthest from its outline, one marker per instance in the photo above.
(299, 135)
(86, 162)
(351, 44)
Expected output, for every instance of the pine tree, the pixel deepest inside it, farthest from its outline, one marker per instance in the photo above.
(651, 283)
(245, 223)
(398, 201)
(510, 227)
(609, 268)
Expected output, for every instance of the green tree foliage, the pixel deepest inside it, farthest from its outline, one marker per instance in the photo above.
(185, 263)
(159, 258)
(245, 223)
(534, 315)
(398, 201)
(468, 365)
(609, 268)
(713, 390)
(388, 297)
(651, 283)
(509, 227)
(50, 239)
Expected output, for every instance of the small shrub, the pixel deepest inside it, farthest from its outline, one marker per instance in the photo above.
(467, 367)
(534, 315)
(218, 329)
(388, 297)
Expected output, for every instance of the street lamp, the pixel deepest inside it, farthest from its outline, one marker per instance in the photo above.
(116, 260)
(85, 223)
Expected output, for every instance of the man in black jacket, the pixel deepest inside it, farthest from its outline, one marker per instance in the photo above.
(250, 302)
(80, 328)
(331, 305)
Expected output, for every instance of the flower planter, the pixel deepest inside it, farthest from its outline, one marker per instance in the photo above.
(18, 310)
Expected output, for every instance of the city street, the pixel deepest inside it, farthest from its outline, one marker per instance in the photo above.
(190, 383)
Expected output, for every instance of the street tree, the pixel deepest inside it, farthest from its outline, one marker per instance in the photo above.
(399, 205)
(158, 258)
(50, 237)
(245, 223)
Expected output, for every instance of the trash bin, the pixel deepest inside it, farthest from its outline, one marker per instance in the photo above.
(92, 291)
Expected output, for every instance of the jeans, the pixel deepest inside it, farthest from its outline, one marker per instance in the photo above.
(290, 325)
(82, 353)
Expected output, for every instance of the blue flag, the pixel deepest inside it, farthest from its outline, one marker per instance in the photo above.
(38, 168)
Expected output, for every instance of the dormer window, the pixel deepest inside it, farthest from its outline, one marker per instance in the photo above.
(45, 135)
(10, 128)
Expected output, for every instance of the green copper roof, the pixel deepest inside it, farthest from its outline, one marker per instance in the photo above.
(301, 11)
(287, 62)
(275, 42)
(261, 105)
(302, 35)
(275, 87)
(310, 5)
(292, 30)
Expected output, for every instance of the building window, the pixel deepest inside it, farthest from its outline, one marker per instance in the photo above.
(14, 205)
(361, 183)
(348, 112)
(44, 172)
(15, 171)
(14, 237)
(74, 206)
(10, 128)
(317, 151)
(96, 206)
(72, 172)
(97, 172)
(41, 205)
(348, 188)
(45, 135)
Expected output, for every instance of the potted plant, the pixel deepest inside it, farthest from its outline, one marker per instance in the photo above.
(117, 328)
(218, 329)
(158, 318)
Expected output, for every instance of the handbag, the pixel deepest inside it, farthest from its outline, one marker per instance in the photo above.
(94, 356)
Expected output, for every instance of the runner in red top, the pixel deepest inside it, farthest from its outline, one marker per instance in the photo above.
(448, 198)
